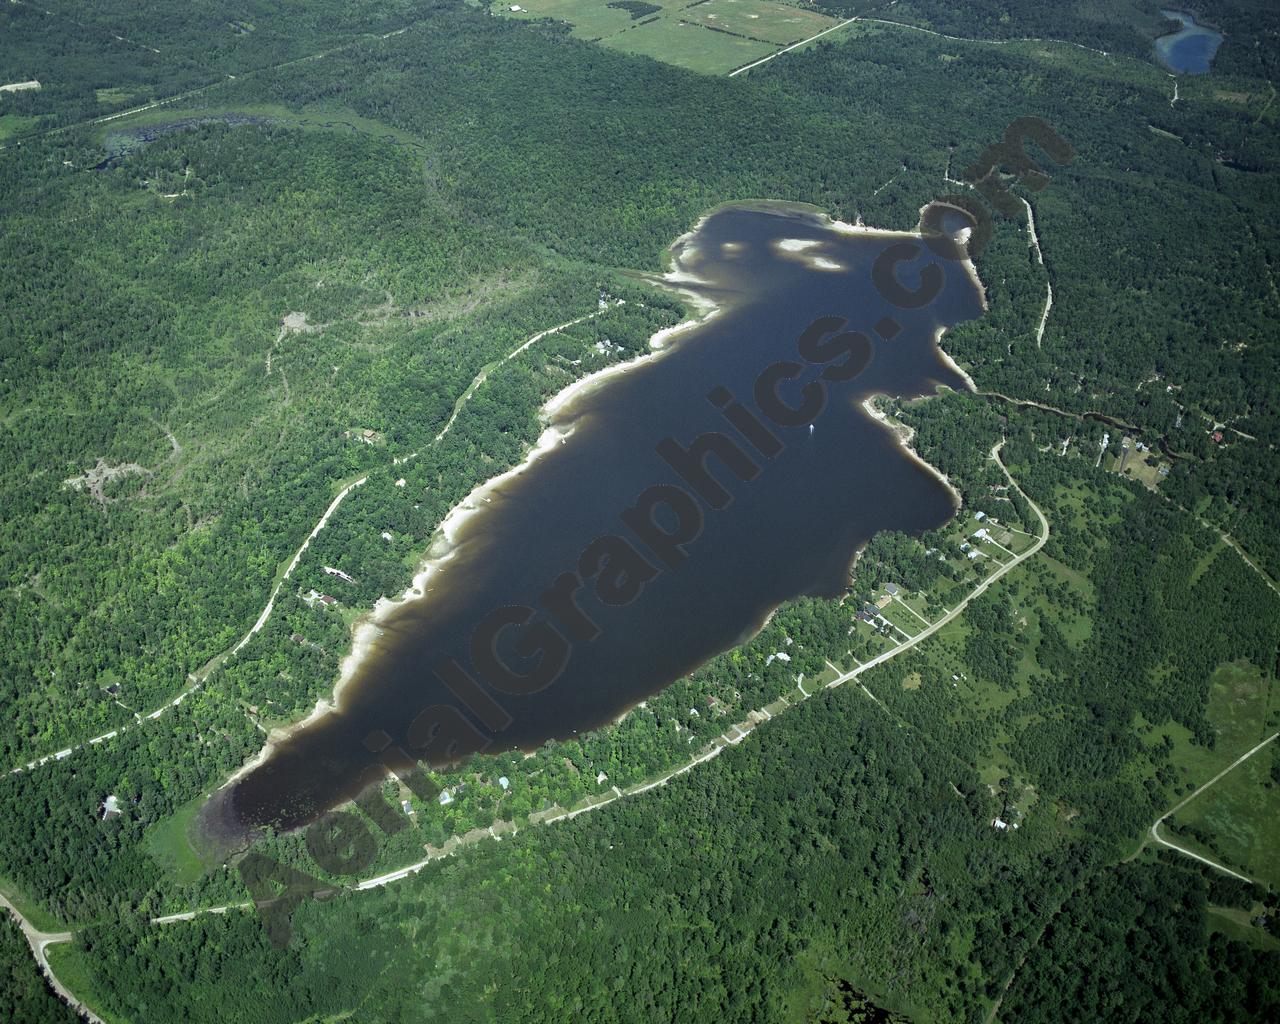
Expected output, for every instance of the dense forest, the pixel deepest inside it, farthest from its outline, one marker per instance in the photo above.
(1142, 928)
(876, 819)
(723, 895)
(111, 56)
(289, 279)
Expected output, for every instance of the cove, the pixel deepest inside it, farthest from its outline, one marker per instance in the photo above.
(790, 289)
(1191, 49)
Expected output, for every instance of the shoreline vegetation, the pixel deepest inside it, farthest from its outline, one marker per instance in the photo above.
(367, 628)
(436, 221)
(732, 735)
(906, 435)
(556, 417)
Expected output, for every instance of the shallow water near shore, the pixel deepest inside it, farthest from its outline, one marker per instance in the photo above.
(791, 528)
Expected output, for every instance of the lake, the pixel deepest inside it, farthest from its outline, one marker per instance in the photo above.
(614, 564)
(1191, 49)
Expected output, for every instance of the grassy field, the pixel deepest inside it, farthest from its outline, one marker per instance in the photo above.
(1241, 817)
(759, 19)
(1241, 701)
(1237, 924)
(32, 911)
(1009, 534)
(689, 45)
(1075, 626)
(917, 604)
(709, 36)
(11, 124)
(112, 96)
(864, 631)
(168, 844)
(591, 19)
(903, 619)
(1144, 467)
(1237, 821)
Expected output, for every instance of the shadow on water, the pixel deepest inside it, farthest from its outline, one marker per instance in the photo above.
(584, 590)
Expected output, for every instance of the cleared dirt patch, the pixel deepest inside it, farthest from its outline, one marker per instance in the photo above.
(103, 473)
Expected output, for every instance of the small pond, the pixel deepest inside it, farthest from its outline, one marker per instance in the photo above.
(1191, 49)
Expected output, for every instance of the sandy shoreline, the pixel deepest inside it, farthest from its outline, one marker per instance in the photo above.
(782, 206)
(444, 544)
(946, 358)
(962, 238)
(557, 431)
(905, 435)
(845, 228)
(278, 736)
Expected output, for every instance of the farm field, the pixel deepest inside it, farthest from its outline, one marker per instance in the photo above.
(591, 19)
(708, 36)
(689, 45)
(758, 19)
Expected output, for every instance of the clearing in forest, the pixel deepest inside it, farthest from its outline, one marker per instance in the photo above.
(1237, 821)
(709, 36)
(767, 20)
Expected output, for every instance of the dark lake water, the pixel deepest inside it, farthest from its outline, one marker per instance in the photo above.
(1190, 50)
(817, 496)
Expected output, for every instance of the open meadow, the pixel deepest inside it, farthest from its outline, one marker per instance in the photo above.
(709, 36)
